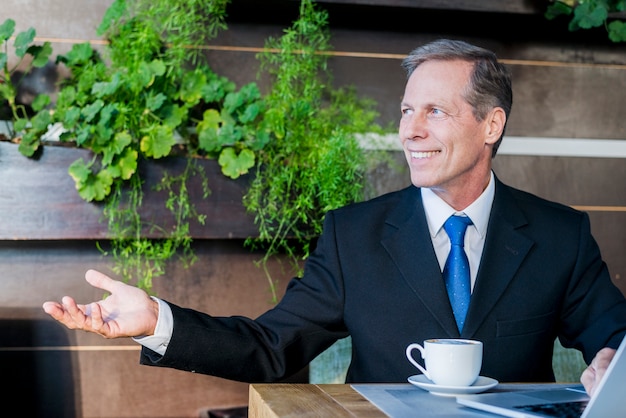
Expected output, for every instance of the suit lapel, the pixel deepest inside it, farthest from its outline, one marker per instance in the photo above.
(409, 244)
(504, 252)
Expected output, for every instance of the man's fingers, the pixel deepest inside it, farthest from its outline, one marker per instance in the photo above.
(596, 370)
(96, 316)
(100, 280)
(76, 315)
(588, 379)
(53, 309)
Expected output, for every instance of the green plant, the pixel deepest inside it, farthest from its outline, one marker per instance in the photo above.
(587, 14)
(314, 162)
(148, 95)
(130, 103)
(186, 25)
(30, 56)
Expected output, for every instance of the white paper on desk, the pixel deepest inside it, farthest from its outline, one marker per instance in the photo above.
(405, 400)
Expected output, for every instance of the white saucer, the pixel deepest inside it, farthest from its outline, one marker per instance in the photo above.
(482, 384)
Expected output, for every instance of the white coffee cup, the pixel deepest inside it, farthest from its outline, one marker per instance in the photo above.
(449, 362)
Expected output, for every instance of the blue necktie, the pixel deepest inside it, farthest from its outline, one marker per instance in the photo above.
(456, 271)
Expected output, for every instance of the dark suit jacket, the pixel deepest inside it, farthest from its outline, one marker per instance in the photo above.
(374, 275)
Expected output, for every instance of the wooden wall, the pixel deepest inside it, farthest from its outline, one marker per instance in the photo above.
(565, 86)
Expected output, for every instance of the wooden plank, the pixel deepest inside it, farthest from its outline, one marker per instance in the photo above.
(39, 201)
(293, 400)
(352, 400)
(495, 6)
(257, 406)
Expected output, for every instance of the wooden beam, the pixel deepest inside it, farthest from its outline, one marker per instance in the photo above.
(38, 199)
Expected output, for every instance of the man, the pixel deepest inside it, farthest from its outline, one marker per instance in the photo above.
(377, 274)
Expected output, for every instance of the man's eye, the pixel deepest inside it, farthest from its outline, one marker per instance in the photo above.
(436, 112)
(406, 111)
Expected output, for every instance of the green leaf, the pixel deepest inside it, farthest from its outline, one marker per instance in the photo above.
(113, 14)
(97, 187)
(262, 136)
(83, 134)
(40, 102)
(234, 165)
(216, 88)
(207, 130)
(79, 171)
(3, 59)
(29, 144)
(155, 101)
(248, 95)
(70, 117)
(250, 113)
(6, 29)
(79, 54)
(66, 97)
(157, 68)
(100, 139)
(41, 54)
(174, 115)
(229, 134)
(158, 142)
(90, 186)
(145, 74)
(617, 31)
(115, 147)
(23, 41)
(41, 121)
(20, 124)
(106, 88)
(588, 15)
(191, 88)
(91, 110)
(107, 115)
(556, 9)
(233, 100)
(125, 165)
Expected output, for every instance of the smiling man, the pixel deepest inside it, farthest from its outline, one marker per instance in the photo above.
(532, 271)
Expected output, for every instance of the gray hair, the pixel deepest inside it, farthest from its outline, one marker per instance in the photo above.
(490, 82)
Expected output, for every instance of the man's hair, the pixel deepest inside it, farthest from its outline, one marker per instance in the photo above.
(490, 82)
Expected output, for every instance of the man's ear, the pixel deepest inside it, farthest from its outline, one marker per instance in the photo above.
(495, 121)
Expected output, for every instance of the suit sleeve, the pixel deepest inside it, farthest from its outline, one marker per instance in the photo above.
(595, 312)
(279, 343)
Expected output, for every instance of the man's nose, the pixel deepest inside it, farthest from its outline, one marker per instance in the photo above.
(413, 129)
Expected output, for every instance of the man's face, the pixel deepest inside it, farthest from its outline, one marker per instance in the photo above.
(446, 148)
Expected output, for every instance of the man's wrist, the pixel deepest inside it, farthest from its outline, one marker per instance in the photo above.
(163, 330)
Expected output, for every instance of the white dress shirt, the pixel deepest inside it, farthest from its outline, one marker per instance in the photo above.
(437, 212)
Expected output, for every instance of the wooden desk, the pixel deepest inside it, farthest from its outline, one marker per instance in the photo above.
(308, 400)
(341, 400)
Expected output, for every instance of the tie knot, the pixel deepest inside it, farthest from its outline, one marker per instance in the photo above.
(455, 227)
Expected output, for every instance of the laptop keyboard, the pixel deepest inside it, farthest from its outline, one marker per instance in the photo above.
(572, 409)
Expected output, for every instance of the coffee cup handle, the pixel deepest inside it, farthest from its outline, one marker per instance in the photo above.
(409, 356)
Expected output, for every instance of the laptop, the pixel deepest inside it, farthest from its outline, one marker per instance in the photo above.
(609, 399)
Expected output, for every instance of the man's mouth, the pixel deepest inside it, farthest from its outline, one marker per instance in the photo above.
(423, 154)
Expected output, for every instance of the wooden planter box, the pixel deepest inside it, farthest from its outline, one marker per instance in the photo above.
(38, 199)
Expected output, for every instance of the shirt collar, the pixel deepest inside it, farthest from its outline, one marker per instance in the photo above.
(438, 211)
